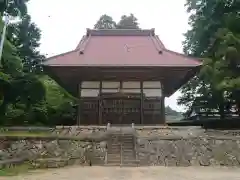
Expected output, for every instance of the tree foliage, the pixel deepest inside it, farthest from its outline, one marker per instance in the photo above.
(214, 36)
(25, 36)
(13, 7)
(126, 22)
(105, 22)
(27, 97)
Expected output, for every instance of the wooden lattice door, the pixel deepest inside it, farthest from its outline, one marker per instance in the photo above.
(121, 108)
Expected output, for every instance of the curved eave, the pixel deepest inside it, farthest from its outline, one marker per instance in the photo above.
(178, 83)
(172, 77)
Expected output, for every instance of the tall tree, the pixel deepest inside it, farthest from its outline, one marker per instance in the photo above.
(25, 35)
(128, 22)
(18, 89)
(215, 30)
(13, 7)
(105, 22)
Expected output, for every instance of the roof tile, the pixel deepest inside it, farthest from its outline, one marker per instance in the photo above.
(121, 48)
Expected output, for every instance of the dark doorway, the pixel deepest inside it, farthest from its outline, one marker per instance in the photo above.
(121, 108)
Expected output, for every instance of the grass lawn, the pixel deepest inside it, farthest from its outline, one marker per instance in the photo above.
(13, 171)
(24, 133)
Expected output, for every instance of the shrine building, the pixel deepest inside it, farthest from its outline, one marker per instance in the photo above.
(121, 76)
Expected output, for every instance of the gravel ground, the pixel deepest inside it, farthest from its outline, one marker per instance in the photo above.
(129, 173)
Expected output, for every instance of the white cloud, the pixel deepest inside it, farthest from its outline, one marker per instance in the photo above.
(64, 22)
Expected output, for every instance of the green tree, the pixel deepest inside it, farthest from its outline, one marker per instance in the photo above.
(105, 22)
(13, 7)
(215, 30)
(20, 91)
(128, 22)
(60, 105)
(27, 97)
(27, 44)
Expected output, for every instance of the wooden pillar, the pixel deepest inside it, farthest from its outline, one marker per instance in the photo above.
(163, 117)
(100, 104)
(79, 104)
(141, 105)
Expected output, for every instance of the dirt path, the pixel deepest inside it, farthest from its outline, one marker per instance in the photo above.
(144, 173)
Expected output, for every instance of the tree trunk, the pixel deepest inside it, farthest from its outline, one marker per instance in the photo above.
(221, 112)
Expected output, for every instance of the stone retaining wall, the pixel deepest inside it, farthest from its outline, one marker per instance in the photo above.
(188, 147)
(55, 153)
(164, 146)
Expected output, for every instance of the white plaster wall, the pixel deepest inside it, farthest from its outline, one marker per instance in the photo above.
(90, 84)
(131, 84)
(151, 84)
(128, 87)
(89, 92)
(109, 84)
(152, 92)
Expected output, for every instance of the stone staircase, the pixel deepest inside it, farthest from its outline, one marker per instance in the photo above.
(121, 148)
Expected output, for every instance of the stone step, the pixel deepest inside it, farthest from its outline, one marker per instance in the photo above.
(128, 153)
(112, 164)
(128, 150)
(118, 151)
(114, 156)
(128, 156)
(128, 146)
(130, 161)
(123, 145)
(121, 140)
(125, 159)
(121, 137)
(127, 142)
(115, 145)
(122, 165)
(114, 161)
(114, 150)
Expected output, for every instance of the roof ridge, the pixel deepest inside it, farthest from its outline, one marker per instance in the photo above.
(81, 41)
(84, 44)
(159, 41)
(157, 44)
(120, 32)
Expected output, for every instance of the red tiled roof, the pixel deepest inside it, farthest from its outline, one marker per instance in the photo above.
(121, 48)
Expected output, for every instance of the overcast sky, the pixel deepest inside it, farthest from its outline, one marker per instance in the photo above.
(63, 23)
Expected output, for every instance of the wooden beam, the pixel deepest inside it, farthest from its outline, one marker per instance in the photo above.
(163, 116)
(100, 105)
(141, 106)
(79, 104)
